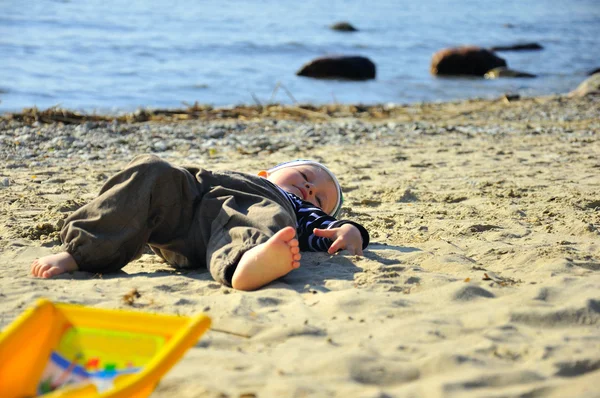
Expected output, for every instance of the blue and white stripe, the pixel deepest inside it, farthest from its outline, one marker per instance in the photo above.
(310, 217)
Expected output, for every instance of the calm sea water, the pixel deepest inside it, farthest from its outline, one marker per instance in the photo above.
(115, 55)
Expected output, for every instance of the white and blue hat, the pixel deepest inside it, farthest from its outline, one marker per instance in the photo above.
(340, 199)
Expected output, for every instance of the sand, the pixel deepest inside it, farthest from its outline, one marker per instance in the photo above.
(482, 277)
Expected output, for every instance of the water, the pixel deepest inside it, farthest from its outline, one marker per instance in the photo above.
(115, 55)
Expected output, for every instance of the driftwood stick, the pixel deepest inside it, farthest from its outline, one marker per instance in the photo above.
(307, 112)
(289, 94)
(274, 92)
(230, 332)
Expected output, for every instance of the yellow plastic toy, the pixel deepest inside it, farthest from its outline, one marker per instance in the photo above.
(71, 351)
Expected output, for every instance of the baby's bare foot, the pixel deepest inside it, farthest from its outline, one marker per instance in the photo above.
(52, 265)
(268, 261)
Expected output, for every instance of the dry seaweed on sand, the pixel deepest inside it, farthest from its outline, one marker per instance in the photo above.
(472, 112)
(202, 112)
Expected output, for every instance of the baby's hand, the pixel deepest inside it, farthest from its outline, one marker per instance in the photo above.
(345, 237)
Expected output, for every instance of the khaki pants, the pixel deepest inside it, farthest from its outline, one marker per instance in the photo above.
(190, 217)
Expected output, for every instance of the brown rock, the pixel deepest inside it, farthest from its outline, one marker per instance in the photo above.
(590, 86)
(343, 27)
(467, 60)
(594, 71)
(341, 67)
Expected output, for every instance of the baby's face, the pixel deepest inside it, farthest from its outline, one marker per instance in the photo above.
(310, 183)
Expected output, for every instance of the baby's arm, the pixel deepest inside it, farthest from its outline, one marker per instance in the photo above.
(318, 231)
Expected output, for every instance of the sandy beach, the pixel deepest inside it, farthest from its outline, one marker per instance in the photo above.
(481, 280)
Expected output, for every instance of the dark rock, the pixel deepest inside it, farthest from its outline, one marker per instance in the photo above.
(467, 60)
(505, 72)
(510, 97)
(594, 71)
(343, 27)
(590, 86)
(342, 67)
(518, 47)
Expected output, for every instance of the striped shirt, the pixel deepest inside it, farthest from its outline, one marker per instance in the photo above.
(310, 217)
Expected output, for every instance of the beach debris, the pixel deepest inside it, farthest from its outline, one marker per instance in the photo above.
(31, 116)
(129, 298)
(343, 26)
(88, 126)
(518, 47)
(482, 228)
(454, 199)
(285, 89)
(500, 280)
(465, 60)
(509, 97)
(506, 72)
(339, 67)
(422, 165)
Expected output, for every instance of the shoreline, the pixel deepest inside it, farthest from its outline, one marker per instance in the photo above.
(482, 277)
(374, 112)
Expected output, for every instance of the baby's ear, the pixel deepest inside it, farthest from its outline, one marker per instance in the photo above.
(263, 174)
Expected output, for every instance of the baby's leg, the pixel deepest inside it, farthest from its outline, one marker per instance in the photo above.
(149, 201)
(268, 261)
(54, 264)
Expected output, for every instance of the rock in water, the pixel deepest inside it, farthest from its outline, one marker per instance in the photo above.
(594, 71)
(518, 47)
(343, 27)
(590, 86)
(505, 72)
(466, 60)
(340, 67)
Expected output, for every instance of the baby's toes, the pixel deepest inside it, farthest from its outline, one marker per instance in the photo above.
(40, 269)
(33, 267)
(293, 242)
(51, 271)
(294, 250)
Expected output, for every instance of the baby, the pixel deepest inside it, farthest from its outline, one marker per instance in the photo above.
(247, 230)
